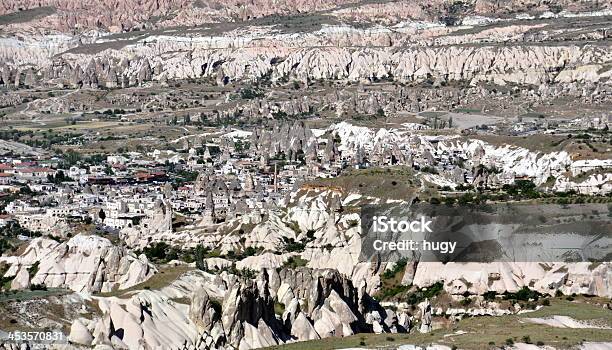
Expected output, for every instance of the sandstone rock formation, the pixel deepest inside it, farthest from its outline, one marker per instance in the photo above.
(83, 264)
(241, 316)
(505, 65)
(68, 15)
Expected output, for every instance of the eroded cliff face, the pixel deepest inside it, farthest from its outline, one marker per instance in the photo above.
(337, 245)
(334, 245)
(227, 312)
(67, 15)
(540, 50)
(74, 15)
(82, 264)
(161, 60)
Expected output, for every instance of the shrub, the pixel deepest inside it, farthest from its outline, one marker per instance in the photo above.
(248, 94)
(423, 294)
(32, 270)
(41, 286)
(249, 251)
(292, 246)
(490, 295)
(216, 305)
(399, 267)
(524, 294)
(527, 339)
(200, 253)
(295, 262)
(279, 308)
(310, 234)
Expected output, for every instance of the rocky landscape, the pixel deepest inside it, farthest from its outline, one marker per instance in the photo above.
(181, 174)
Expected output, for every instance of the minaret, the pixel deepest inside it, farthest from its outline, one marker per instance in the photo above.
(275, 178)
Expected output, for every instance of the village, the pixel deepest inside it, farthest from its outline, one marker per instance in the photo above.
(225, 174)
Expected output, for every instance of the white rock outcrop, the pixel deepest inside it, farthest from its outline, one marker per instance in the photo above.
(83, 264)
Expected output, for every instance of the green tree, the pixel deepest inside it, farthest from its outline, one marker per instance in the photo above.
(200, 254)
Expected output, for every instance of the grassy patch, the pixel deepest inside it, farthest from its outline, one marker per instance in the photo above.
(536, 143)
(432, 114)
(294, 262)
(93, 309)
(482, 332)
(27, 15)
(31, 294)
(183, 300)
(581, 309)
(164, 277)
(467, 110)
(393, 183)
(392, 282)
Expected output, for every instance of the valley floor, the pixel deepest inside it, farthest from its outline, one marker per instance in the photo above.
(489, 332)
